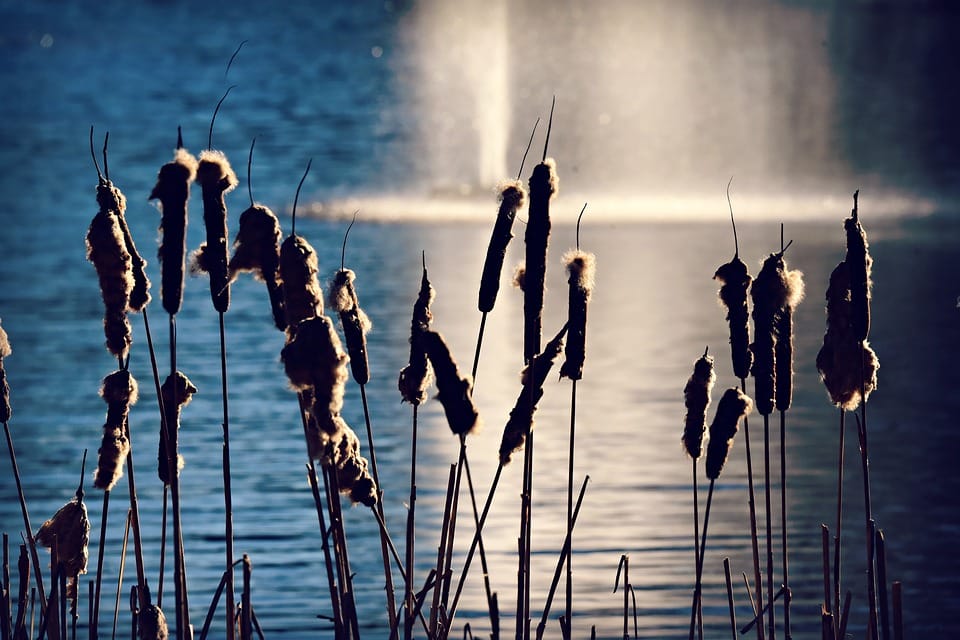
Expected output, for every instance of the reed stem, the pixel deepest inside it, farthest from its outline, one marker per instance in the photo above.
(730, 603)
(123, 563)
(410, 534)
(492, 606)
(755, 545)
(95, 618)
(227, 491)
(325, 545)
(573, 426)
(696, 542)
(771, 619)
(788, 595)
(837, 539)
(703, 545)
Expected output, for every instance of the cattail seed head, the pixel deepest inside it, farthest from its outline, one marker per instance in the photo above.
(153, 624)
(520, 276)
(733, 295)
(314, 360)
(847, 365)
(769, 293)
(257, 249)
(177, 391)
(696, 396)
(355, 323)
(417, 375)
(783, 349)
(512, 196)
(216, 179)
(580, 267)
(119, 391)
(109, 197)
(5, 411)
(860, 264)
(69, 529)
(351, 469)
(733, 406)
(455, 392)
(302, 295)
(173, 191)
(533, 376)
(107, 250)
(543, 186)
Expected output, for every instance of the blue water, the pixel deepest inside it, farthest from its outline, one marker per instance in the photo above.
(338, 83)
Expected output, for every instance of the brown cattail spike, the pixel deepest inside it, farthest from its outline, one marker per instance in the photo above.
(696, 397)
(351, 468)
(355, 323)
(859, 264)
(69, 530)
(543, 186)
(533, 377)
(173, 191)
(783, 349)
(845, 363)
(769, 293)
(733, 406)
(454, 390)
(733, 294)
(153, 624)
(512, 196)
(5, 411)
(581, 267)
(119, 391)
(216, 179)
(177, 391)
(417, 375)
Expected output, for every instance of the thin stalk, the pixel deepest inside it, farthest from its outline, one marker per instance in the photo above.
(411, 522)
(897, 610)
(227, 493)
(882, 585)
(788, 596)
(730, 603)
(766, 607)
(6, 629)
(573, 426)
(837, 539)
(384, 551)
(163, 544)
(696, 543)
(476, 355)
(343, 555)
(561, 561)
(325, 545)
(441, 550)
(31, 543)
(758, 581)
(451, 534)
(697, 588)
(523, 569)
(771, 619)
(94, 624)
(827, 585)
(123, 563)
(246, 622)
(845, 614)
(135, 523)
(868, 511)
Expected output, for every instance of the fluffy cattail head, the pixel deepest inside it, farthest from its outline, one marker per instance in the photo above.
(533, 377)
(314, 360)
(257, 245)
(696, 396)
(455, 391)
(351, 468)
(214, 170)
(114, 448)
(733, 406)
(520, 276)
(784, 344)
(216, 178)
(733, 294)
(173, 191)
(769, 293)
(544, 182)
(580, 267)
(120, 387)
(302, 295)
(107, 250)
(110, 198)
(860, 264)
(153, 624)
(512, 196)
(177, 391)
(5, 351)
(417, 375)
(69, 529)
(355, 323)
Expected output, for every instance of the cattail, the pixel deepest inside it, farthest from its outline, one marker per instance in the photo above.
(733, 406)
(69, 530)
(733, 294)
(417, 375)
(534, 375)
(314, 360)
(696, 397)
(512, 197)
(783, 349)
(120, 392)
(859, 263)
(5, 411)
(177, 391)
(323, 430)
(114, 199)
(520, 276)
(153, 624)
(355, 323)
(845, 363)
(302, 295)
(453, 390)
(107, 250)
(257, 249)
(173, 191)
(580, 266)
(543, 186)
(216, 179)
(351, 469)
(769, 294)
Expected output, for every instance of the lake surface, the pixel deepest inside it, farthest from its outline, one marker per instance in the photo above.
(654, 310)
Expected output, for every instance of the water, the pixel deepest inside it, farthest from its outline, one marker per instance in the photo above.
(355, 88)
